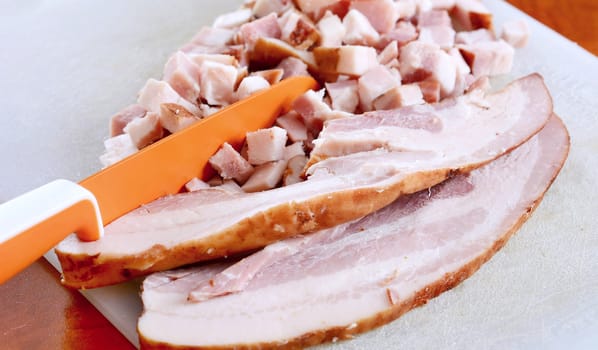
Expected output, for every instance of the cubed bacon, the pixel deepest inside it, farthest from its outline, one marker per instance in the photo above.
(442, 4)
(422, 61)
(399, 96)
(250, 85)
(146, 130)
(229, 186)
(471, 14)
(403, 33)
(434, 18)
(264, 27)
(350, 60)
(405, 9)
(207, 110)
(359, 30)
(230, 165)
(311, 7)
(217, 83)
(268, 52)
(430, 90)
(298, 30)
(294, 126)
(293, 173)
(266, 145)
(265, 176)
(175, 118)
(332, 30)
(291, 67)
(272, 76)
(195, 184)
(344, 95)
(488, 57)
(183, 75)
(117, 148)
(312, 109)
(262, 8)
(233, 19)
(382, 14)
(375, 83)
(474, 36)
(516, 33)
(443, 36)
(124, 117)
(390, 52)
(156, 92)
(215, 37)
(293, 150)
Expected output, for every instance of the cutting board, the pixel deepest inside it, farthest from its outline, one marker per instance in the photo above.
(67, 66)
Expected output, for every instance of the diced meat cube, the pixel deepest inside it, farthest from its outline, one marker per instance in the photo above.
(230, 186)
(207, 110)
(262, 8)
(196, 184)
(298, 30)
(348, 60)
(250, 85)
(264, 27)
(471, 14)
(344, 95)
(374, 83)
(124, 117)
(293, 173)
(293, 150)
(268, 52)
(423, 5)
(117, 148)
(265, 177)
(233, 19)
(516, 33)
(434, 18)
(359, 30)
(422, 61)
(332, 30)
(430, 90)
(208, 36)
(217, 83)
(389, 53)
(272, 76)
(400, 96)
(474, 36)
(312, 109)
(293, 124)
(292, 66)
(442, 4)
(405, 8)
(403, 33)
(175, 118)
(230, 165)
(382, 14)
(156, 92)
(183, 75)
(311, 7)
(200, 58)
(266, 145)
(462, 66)
(146, 130)
(482, 83)
(488, 57)
(443, 36)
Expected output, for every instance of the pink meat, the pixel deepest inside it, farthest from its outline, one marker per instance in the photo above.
(294, 126)
(272, 76)
(516, 33)
(122, 118)
(332, 284)
(488, 57)
(420, 61)
(344, 95)
(399, 96)
(212, 37)
(117, 148)
(195, 184)
(374, 83)
(292, 66)
(298, 30)
(312, 109)
(264, 27)
(233, 19)
(250, 85)
(174, 118)
(183, 75)
(443, 36)
(472, 14)
(332, 30)
(230, 165)
(434, 18)
(145, 130)
(217, 84)
(403, 33)
(353, 60)
(359, 30)
(474, 36)
(155, 93)
(389, 53)
(263, 8)
(266, 145)
(265, 176)
(416, 151)
(380, 13)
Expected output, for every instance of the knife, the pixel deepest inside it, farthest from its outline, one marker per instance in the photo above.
(36, 221)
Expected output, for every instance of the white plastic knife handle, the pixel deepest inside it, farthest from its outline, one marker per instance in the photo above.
(36, 221)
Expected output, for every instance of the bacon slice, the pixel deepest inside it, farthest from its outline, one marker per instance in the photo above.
(181, 229)
(348, 279)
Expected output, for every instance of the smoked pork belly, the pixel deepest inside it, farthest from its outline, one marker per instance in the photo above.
(472, 122)
(348, 279)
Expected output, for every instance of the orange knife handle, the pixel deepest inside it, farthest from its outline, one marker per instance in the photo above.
(33, 223)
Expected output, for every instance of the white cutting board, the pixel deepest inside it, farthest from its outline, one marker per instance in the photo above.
(66, 66)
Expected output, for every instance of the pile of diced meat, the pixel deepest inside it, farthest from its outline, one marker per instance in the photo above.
(366, 54)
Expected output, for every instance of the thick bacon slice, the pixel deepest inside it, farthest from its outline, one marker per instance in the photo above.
(189, 227)
(354, 277)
